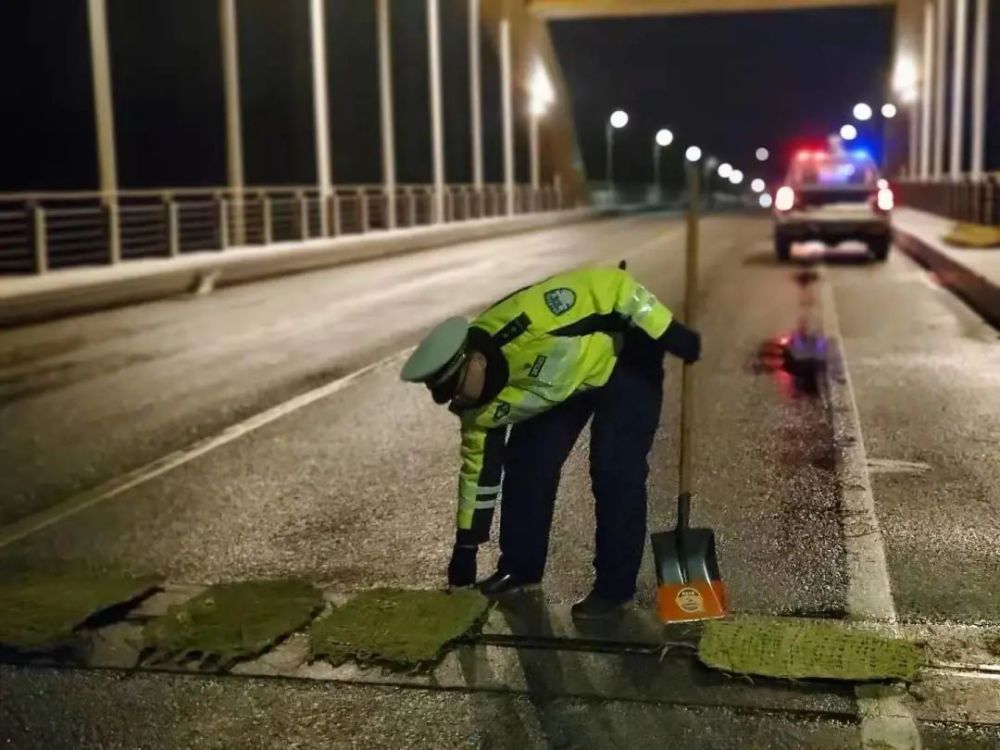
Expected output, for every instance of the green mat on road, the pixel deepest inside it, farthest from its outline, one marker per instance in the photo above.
(231, 621)
(798, 648)
(399, 627)
(40, 610)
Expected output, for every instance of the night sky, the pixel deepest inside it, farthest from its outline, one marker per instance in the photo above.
(728, 83)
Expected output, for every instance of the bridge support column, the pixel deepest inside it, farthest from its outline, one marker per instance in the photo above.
(437, 133)
(927, 94)
(475, 98)
(234, 127)
(100, 67)
(321, 108)
(508, 124)
(980, 56)
(958, 87)
(940, 70)
(385, 98)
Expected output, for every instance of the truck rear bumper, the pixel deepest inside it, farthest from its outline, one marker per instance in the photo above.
(830, 230)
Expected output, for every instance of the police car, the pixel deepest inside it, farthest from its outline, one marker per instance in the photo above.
(832, 196)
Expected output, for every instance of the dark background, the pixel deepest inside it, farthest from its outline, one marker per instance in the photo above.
(729, 83)
(726, 82)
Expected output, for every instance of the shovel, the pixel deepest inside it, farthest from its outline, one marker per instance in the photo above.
(689, 586)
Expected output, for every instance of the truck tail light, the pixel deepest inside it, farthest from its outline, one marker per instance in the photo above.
(784, 199)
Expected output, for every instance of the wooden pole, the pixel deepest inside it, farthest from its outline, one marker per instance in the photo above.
(690, 298)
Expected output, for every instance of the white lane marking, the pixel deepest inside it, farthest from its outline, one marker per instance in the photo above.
(886, 721)
(896, 466)
(77, 503)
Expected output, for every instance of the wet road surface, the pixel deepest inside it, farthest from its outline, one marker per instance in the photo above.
(357, 488)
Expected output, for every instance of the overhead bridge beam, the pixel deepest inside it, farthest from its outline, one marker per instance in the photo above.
(605, 8)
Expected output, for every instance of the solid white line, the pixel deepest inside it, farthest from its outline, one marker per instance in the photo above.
(885, 721)
(77, 503)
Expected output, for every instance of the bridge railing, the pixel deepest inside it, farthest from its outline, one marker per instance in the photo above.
(40, 232)
(968, 200)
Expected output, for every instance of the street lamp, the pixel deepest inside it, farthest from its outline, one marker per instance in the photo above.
(862, 112)
(736, 177)
(848, 132)
(757, 185)
(618, 120)
(692, 154)
(762, 154)
(725, 169)
(765, 200)
(888, 110)
(663, 139)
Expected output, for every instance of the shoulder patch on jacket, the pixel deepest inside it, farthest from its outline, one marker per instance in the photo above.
(560, 300)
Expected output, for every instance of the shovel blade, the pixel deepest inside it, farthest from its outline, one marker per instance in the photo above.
(689, 586)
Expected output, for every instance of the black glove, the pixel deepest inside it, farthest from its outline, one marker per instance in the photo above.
(682, 342)
(462, 568)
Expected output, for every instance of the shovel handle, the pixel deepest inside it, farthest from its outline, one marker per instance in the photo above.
(683, 510)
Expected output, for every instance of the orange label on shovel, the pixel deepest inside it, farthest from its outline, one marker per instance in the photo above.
(696, 600)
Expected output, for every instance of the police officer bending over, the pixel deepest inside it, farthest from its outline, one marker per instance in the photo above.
(582, 345)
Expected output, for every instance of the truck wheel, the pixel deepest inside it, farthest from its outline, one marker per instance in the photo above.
(782, 249)
(879, 248)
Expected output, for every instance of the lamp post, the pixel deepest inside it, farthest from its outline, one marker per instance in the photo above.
(663, 139)
(618, 120)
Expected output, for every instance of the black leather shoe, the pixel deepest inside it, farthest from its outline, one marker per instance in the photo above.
(499, 584)
(595, 607)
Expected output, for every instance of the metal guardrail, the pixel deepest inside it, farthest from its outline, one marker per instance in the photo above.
(44, 231)
(974, 201)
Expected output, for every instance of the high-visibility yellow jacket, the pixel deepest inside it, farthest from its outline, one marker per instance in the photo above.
(557, 338)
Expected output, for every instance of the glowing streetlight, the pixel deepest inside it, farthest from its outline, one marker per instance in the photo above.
(725, 169)
(618, 120)
(862, 112)
(763, 154)
(663, 139)
(848, 132)
(888, 110)
(757, 185)
(693, 153)
(736, 177)
(765, 200)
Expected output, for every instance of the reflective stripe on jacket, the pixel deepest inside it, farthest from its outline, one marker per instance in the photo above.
(559, 337)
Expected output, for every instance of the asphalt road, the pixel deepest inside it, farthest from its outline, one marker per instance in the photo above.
(356, 488)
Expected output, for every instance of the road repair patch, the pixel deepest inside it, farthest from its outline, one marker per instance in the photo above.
(230, 622)
(805, 649)
(42, 609)
(398, 627)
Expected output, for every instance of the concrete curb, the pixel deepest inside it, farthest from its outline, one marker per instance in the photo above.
(979, 293)
(76, 291)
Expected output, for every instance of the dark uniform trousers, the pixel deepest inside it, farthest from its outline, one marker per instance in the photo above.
(625, 412)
